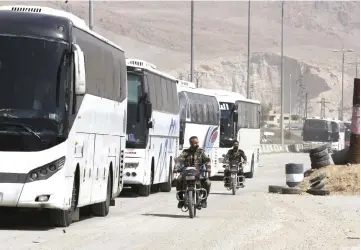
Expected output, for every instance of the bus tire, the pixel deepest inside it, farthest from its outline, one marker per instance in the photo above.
(144, 190)
(251, 173)
(63, 218)
(102, 208)
(167, 186)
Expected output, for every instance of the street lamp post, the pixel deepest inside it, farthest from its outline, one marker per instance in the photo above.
(192, 42)
(282, 87)
(91, 21)
(249, 47)
(290, 113)
(343, 51)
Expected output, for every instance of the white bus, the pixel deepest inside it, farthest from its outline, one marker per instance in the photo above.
(249, 132)
(63, 106)
(152, 128)
(199, 116)
(248, 136)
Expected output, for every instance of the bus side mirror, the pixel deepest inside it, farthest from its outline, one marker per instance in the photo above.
(223, 155)
(148, 110)
(79, 64)
(235, 116)
(149, 124)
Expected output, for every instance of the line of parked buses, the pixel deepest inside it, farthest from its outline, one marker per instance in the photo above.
(79, 121)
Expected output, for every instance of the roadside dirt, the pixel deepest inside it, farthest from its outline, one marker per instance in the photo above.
(340, 179)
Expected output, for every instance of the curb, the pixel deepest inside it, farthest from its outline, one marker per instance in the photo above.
(278, 148)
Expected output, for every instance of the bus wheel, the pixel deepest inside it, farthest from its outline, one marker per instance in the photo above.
(144, 190)
(63, 218)
(102, 208)
(167, 186)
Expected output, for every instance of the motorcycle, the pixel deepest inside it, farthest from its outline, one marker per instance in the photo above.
(234, 181)
(193, 194)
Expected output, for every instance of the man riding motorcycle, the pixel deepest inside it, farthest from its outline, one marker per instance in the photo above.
(193, 156)
(234, 154)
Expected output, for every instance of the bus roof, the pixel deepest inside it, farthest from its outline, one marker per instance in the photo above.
(229, 96)
(76, 21)
(147, 66)
(190, 87)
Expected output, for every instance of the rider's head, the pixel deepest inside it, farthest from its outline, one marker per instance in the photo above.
(193, 141)
(235, 145)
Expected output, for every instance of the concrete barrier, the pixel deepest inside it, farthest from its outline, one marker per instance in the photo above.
(278, 148)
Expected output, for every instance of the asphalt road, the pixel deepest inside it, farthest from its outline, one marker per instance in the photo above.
(252, 219)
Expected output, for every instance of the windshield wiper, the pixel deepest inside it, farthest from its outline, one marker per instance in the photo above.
(27, 128)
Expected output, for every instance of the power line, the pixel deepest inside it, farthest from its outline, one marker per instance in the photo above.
(323, 107)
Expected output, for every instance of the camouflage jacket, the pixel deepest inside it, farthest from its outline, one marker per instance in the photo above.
(197, 158)
(236, 155)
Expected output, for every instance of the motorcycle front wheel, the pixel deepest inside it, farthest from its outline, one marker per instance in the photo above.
(191, 203)
(234, 184)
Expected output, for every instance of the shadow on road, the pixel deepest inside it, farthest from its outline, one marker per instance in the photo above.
(217, 178)
(24, 220)
(33, 220)
(177, 216)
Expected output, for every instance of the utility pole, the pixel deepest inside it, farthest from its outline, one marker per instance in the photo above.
(198, 76)
(91, 21)
(323, 107)
(282, 87)
(343, 51)
(249, 47)
(306, 108)
(192, 40)
(357, 62)
(290, 113)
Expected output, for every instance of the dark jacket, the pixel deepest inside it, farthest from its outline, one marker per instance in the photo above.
(236, 155)
(197, 158)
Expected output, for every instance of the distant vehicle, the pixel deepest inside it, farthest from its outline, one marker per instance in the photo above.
(152, 128)
(318, 131)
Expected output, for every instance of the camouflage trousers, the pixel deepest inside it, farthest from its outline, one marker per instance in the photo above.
(205, 183)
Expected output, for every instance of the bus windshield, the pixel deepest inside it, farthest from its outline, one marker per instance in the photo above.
(33, 74)
(136, 132)
(226, 124)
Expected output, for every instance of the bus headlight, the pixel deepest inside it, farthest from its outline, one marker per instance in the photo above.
(46, 171)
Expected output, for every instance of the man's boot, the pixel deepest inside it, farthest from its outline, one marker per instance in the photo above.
(180, 204)
(204, 203)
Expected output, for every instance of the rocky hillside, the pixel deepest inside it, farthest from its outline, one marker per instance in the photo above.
(160, 33)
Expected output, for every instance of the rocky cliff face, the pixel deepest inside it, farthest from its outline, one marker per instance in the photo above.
(265, 78)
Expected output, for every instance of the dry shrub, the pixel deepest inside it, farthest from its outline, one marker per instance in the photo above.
(341, 179)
